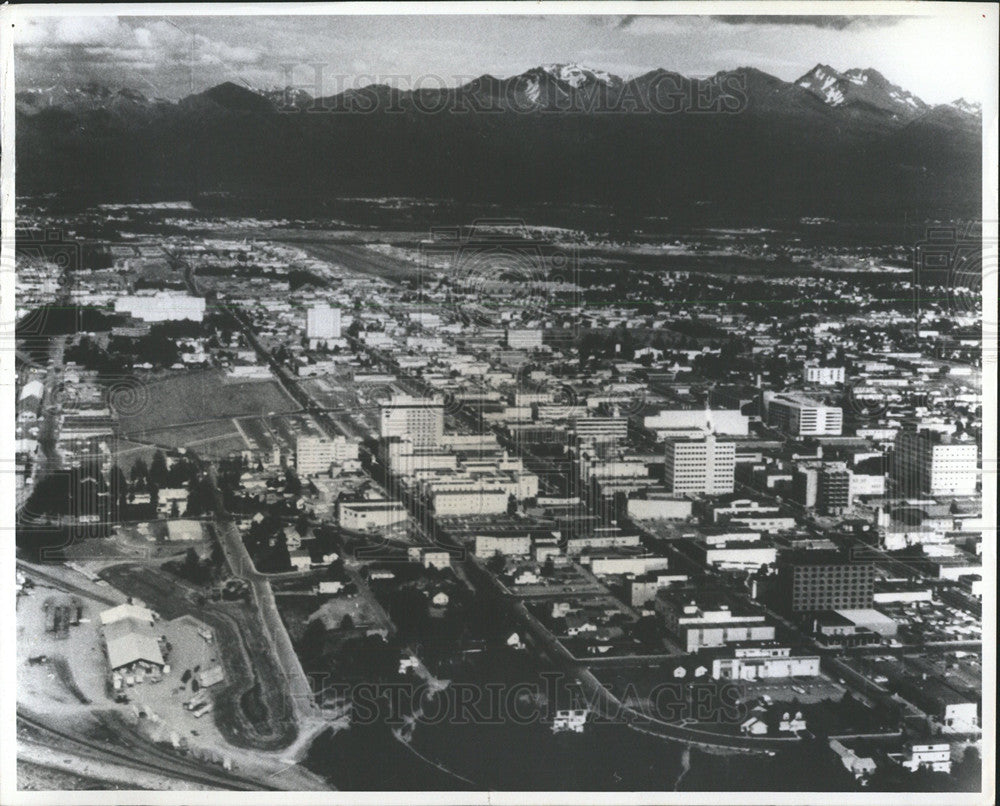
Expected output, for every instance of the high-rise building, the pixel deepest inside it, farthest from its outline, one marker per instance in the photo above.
(702, 466)
(801, 416)
(930, 463)
(323, 323)
(824, 485)
(811, 581)
(316, 454)
(421, 419)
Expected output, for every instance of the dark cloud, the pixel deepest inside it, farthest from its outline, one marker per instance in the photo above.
(836, 23)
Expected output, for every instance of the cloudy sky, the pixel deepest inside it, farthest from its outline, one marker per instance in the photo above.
(937, 57)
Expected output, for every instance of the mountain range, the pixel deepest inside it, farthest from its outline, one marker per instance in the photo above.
(740, 142)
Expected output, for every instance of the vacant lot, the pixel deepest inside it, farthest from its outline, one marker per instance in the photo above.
(199, 396)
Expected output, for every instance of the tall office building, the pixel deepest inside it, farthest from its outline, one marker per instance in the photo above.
(322, 323)
(702, 466)
(824, 485)
(812, 581)
(419, 418)
(801, 416)
(930, 463)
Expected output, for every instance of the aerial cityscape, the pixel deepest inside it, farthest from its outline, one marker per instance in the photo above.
(555, 432)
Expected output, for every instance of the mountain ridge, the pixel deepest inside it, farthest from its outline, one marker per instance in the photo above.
(740, 139)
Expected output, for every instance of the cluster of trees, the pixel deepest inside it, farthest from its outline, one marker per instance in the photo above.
(81, 492)
(63, 320)
(258, 540)
(194, 568)
(90, 355)
(271, 529)
(368, 659)
(157, 474)
(183, 472)
(161, 346)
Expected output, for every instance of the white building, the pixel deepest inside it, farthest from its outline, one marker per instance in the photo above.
(936, 757)
(739, 554)
(695, 423)
(704, 618)
(759, 662)
(461, 503)
(419, 418)
(314, 455)
(524, 338)
(162, 306)
(660, 507)
(429, 558)
(322, 323)
(930, 463)
(363, 515)
(508, 545)
(859, 766)
(801, 416)
(706, 466)
(571, 719)
(823, 376)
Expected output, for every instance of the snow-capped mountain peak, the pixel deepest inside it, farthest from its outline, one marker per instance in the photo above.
(825, 82)
(865, 87)
(577, 75)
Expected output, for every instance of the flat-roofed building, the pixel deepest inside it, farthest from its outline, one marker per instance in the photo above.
(927, 462)
(419, 418)
(922, 756)
(700, 467)
(162, 306)
(508, 545)
(695, 423)
(801, 416)
(762, 660)
(659, 506)
(823, 376)
(738, 554)
(710, 617)
(363, 515)
(641, 590)
(524, 338)
(811, 581)
(322, 323)
(316, 454)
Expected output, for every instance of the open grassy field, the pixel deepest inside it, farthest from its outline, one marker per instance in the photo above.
(211, 440)
(195, 397)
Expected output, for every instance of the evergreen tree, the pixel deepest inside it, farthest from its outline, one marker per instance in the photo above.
(158, 473)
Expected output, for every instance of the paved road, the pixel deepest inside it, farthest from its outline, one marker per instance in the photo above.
(238, 558)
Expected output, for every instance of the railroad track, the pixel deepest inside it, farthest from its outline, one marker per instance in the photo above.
(34, 574)
(146, 759)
